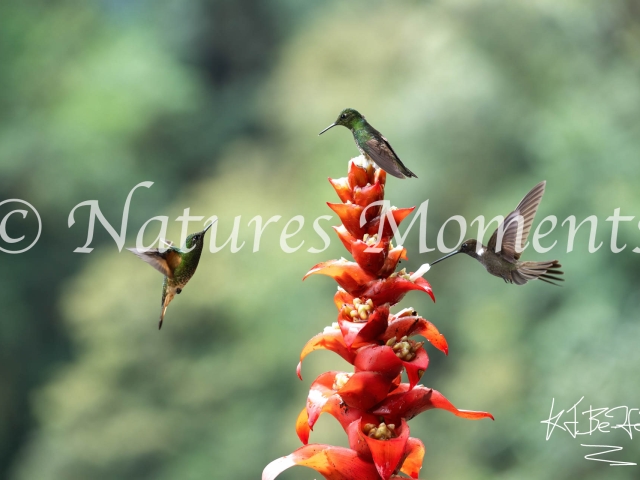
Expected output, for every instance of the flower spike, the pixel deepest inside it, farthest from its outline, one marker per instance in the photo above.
(371, 403)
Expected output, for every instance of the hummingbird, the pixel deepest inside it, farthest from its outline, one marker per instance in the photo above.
(371, 143)
(176, 264)
(505, 261)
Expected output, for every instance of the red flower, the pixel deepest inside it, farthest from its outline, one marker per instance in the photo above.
(360, 390)
(370, 403)
(407, 402)
(386, 450)
(358, 283)
(358, 333)
(347, 274)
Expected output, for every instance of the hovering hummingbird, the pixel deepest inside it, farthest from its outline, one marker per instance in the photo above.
(177, 265)
(506, 262)
(371, 143)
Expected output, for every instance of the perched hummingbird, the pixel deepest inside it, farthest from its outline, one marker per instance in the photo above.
(177, 265)
(371, 143)
(506, 263)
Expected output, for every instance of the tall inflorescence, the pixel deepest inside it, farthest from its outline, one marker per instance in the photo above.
(371, 403)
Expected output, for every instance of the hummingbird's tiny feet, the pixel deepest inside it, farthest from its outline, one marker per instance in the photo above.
(341, 380)
(380, 432)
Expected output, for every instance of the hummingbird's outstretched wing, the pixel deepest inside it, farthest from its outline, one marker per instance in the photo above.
(163, 261)
(523, 215)
(380, 151)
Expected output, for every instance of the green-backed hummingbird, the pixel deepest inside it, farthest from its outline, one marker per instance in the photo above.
(176, 264)
(371, 143)
(502, 258)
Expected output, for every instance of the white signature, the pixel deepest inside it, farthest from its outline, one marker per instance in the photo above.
(601, 420)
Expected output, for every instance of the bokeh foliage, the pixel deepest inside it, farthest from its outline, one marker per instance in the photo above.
(219, 103)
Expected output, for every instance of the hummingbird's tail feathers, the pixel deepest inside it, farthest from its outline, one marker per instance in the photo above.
(168, 292)
(408, 173)
(546, 271)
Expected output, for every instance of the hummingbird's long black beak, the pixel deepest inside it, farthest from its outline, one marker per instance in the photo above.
(445, 257)
(209, 226)
(330, 126)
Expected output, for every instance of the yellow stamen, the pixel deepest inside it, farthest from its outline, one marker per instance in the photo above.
(405, 349)
(381, 432)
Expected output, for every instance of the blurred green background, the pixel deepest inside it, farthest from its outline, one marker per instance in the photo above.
(219, 103)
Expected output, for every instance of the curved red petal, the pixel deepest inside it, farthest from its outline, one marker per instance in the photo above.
(347, 274)
(391, 290)
(343, 413)
(358, 334)
(302, 426)
(342, 188)
(416, 367)
(331, 339)
(349, 214)
(333, 463)
(358, 176)
(398, 215)
(368, 194)
(319, 393)
(429, 331)
(420, 399)
(414, 455)
(345, 237)
(378, 358)
(414, 325)
(425, 287)
(365, 389)
(387, 454)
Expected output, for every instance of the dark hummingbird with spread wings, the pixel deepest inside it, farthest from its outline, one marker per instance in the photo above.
(501, 256)
(371, 143)
(176, 264)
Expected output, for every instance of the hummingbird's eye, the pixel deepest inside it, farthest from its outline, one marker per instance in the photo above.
(343, 116)
(464, 245)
